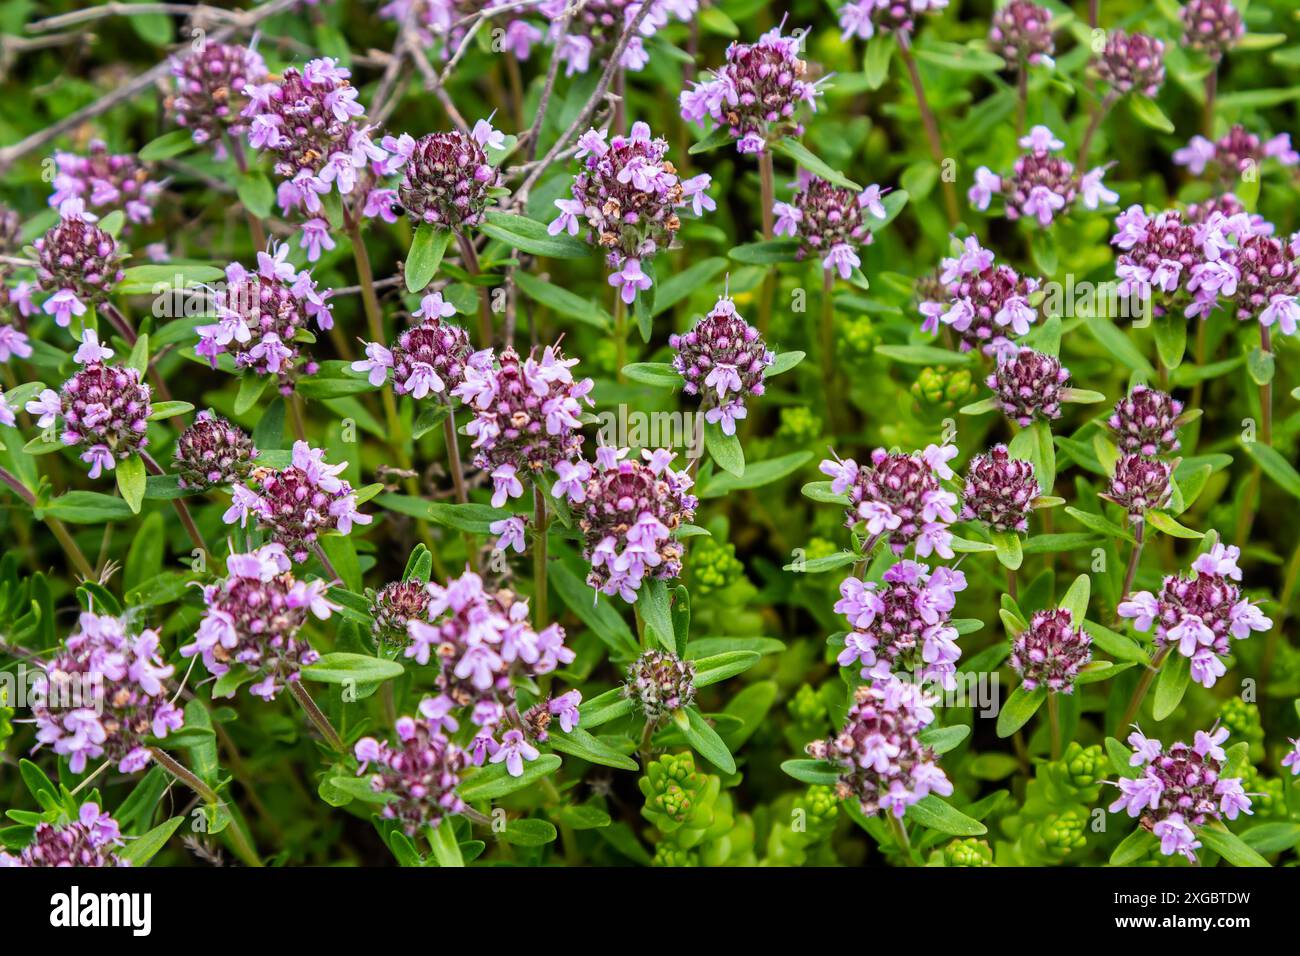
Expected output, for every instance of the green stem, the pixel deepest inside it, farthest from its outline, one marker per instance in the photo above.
(1266, 390)
(182, 509)
(540, 521)
(620, 335)
(316, 715)
(471, 263)
(238, 840)
(900, 837)
(931, 127)
(1054, 720)
(375, 323)
(767, 293)
(1144, 685)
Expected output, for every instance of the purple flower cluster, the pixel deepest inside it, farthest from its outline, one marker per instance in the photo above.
(1212, 27)
(427, 359)
(1156, 252)
(722, 356)
(92, 839)
(101, 182)
(485, 648)
(755, 94)
(15, 303)
(1179, 788)
(105, 408)
(999, 491)
(1051, 651)
(103, 695)
(1132, 61)
(1234, 153)
(1140, 484)
(660, 682)
(628, 196)
(1042, 186)
(260, 315)
(1021, 33)
(1145, 422)
(828, 221)
(526, 419)
(310, 120)
(444, 23)
(629, 515)
(903, 623)
(209, 96)
(899, 497)
(299, 503)
(419, 774)
(77, 263)
(982, 302)
(1028, 385)
(212, 452)
(882, 762)
(393, 607)
(447, 179)
(253, 617)
(597, 25)
(1197, 614)
(862, 18)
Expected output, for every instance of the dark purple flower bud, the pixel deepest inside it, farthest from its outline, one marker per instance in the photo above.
(1140, 485)
(883, 764)
(93, 839)
(660, 682)
(433, 346)
(1028, 385)
(1022, 31)
(210, 89)
(393, 607)
(1211, 26)
(984, 303)
(78, 258)
(419, 773)
(1051, 651)
(1132, 62)
(213, 451)
(1041, 187)
(447, 181)
(1268, 282)
(1145, 422)
(105, 410)
(1000, 491)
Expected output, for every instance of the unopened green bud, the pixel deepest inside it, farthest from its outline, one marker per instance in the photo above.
(968, 852)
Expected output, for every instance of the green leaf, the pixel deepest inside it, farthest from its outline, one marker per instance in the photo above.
(1034, 445)
(658, 374)
(937, 814)
(428, 246)
(1019, 707)
(652, 605)
(704, 740)
(961, 59)
(817, 772)
(140, 851)
(528, 832)
(711, 670)
(1230, 846)
(1171, 339)
(1118, 345)
(579, 743)
(167, 146)
(724, 449)
(528, 235)
(344, 668)
(1149, 113)
(766, 253)
(592, 607)
(161, 410)
(1100, 524)
(1281, 471)
(802, 155)
(604, 708)
(875, 64)
(1171, 684)
(719, 137)
(1076, 599)
(943, 739)
(1008, 548)
(251, 387)
(131, 481)
(255, 192)
(757, 474)
(563, 302)
(493, 780)
(443, 843)
(924, 355)
(682, 284)
(783, 362)
(1164, 522)
(823, 564)
(1115, 644)
(470, 516)
(1134, 847)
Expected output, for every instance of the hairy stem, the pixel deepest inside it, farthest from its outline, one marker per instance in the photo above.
(471, 263)
(931, 127)
(234, 832)
(900, 836)
(1144, 685)
(1266, 390)
(1054, 721)
(182, 509)
(540, 521)
(316, 715)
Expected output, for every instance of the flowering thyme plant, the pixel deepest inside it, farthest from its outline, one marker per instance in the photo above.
(649, 432)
